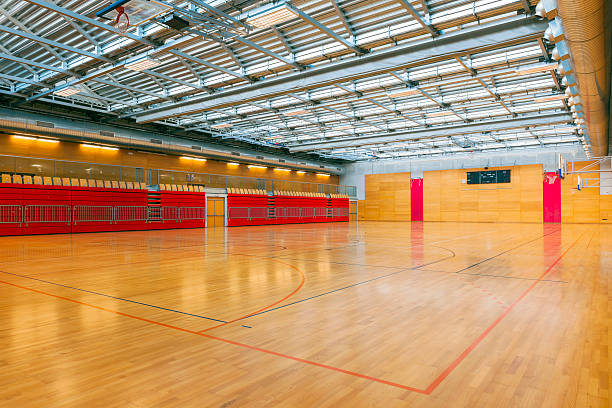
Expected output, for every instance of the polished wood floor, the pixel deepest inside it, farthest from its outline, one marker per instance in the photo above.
(367, 314)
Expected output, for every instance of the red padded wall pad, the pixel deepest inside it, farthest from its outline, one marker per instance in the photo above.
(552, 197)
(416, 200)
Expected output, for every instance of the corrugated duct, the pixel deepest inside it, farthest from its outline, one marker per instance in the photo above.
(587, 25)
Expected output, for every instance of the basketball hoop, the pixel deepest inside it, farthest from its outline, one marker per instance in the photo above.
(550, 178)
(122, 22)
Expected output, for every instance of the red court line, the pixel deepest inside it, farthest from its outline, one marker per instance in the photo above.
(235, 343)
(269, 306)
(426, 391)
(484, 334)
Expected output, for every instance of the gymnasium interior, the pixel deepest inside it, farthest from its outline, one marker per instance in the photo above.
(305, 203)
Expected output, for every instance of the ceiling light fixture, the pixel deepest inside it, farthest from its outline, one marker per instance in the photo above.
(550, 98)
(323, 174)
(67, 91)
(296, 112)
(281, 169)
(233, 164)
(221, 126)
(537, 68)
(403, 92)
(271, 15)
(142, 63)
(254, 166)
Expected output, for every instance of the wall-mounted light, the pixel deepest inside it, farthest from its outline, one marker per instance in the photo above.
(323, 174)
(254, 166)
(300, 172)
(233, 164)
(98, 147)
(35, 139)
(281, 169)
(193, 158)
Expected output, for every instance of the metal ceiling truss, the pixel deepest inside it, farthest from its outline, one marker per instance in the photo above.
(345, 79)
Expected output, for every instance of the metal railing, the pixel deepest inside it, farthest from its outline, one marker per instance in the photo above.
(11, 214)
(35, 166)
(286, 212)
(32, 214)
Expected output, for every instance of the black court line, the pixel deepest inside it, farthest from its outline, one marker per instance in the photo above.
(417, 268)
(114, 297)
(495, 276)
(356, 284)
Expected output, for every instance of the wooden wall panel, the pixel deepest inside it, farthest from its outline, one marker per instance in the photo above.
(387, 197)
(431, 197)
(447, 196)
(581, 206)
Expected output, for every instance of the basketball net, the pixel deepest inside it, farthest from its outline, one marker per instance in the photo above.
(550, 178)
(122, 22)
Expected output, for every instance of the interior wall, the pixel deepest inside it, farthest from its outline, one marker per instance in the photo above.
(10, 145)
(387, 197)
(547, 157)
(586, 205)
(448, 197)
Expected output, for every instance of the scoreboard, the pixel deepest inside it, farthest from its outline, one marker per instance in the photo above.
(488, 177)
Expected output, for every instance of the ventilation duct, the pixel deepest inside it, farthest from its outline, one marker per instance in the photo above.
(586, 26)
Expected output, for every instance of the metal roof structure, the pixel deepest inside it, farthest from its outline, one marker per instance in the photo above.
(350, 79)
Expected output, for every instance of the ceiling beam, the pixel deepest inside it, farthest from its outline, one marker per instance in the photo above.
(423, 21)
(326, 30)
(46, 42)
(442, 131)
(479, 38)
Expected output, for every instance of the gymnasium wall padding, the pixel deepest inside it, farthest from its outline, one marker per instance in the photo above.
(551, 189)
(416, 200)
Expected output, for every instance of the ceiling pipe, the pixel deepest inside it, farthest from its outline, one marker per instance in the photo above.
(586, 26)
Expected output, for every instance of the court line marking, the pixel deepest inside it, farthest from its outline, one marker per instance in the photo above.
(113, 297)
(269, 306)
(235, 343)
(355, 284)
(437, 381)
(417, 268)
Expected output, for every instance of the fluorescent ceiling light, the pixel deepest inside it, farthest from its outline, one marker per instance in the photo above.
(193, 158)
(296, 112)
(68, 91)
(403, 92)
(323, 174)
(98, 147)
(48, 140)
(254, 166)
(281, 169)
(36, 165)
(537, 68)
(550, 98)
(143, 63)
(24, 137)
(300, 172)
(270, 16)
(233, 164)
(221, 125)
(441, 113)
